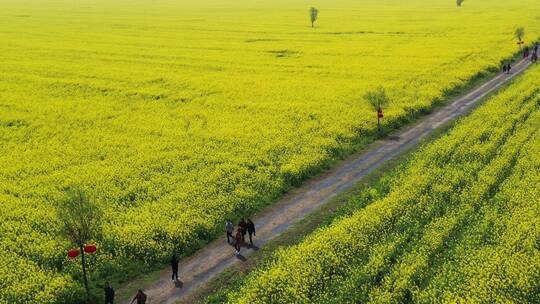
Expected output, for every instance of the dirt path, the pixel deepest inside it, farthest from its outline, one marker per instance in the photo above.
(218, 255)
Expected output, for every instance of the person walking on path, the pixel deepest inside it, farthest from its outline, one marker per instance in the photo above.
(243, 228)
(504, 68)
(535, 48)
(229, 227)
(174, 267)
(250, 230)
(526, 53)
(508, 68)
(238, 240)
(109, 294)
(140, 297)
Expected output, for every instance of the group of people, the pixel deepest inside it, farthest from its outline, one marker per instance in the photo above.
(245, 227)
(140, 297)
(534, 55)
(239, 237)
(506, 68)
(526, 55)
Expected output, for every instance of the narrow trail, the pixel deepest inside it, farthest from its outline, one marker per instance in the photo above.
(217, 256)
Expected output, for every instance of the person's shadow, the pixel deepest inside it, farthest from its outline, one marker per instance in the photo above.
(178, 284)
(241, 257)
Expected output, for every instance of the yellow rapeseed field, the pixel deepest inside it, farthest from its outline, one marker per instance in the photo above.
(174, 115)
(459, 224)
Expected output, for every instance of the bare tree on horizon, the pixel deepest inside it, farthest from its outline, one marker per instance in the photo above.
(313, 14)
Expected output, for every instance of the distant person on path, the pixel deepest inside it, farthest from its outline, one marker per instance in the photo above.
(534, 58)
(140, 297)
(250, 230)
(238, 240)
(174, 267)
(535, 49)
(526, 53)
(229, 227)
(508, 68)
(242, 225)
(109, 294)
(504, 68)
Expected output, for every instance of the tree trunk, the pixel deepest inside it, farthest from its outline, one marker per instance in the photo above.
(85, 279)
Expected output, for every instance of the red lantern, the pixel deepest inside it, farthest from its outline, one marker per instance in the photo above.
(73, 253)
(380, 113)
(90, 248)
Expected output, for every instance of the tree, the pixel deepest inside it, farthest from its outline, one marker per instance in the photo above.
(80, 221)
(519, 34)
(378, 100)
(313, 14)
(459, 2)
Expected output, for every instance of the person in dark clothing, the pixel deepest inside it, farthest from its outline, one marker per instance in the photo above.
(238, 240)
(140, 297)
(229, 227)
(526, 53)
(243, 228)
(504, 68)
(174, 267)
(534, 58)
(109, 294)
(508, 68)
(251, 230)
